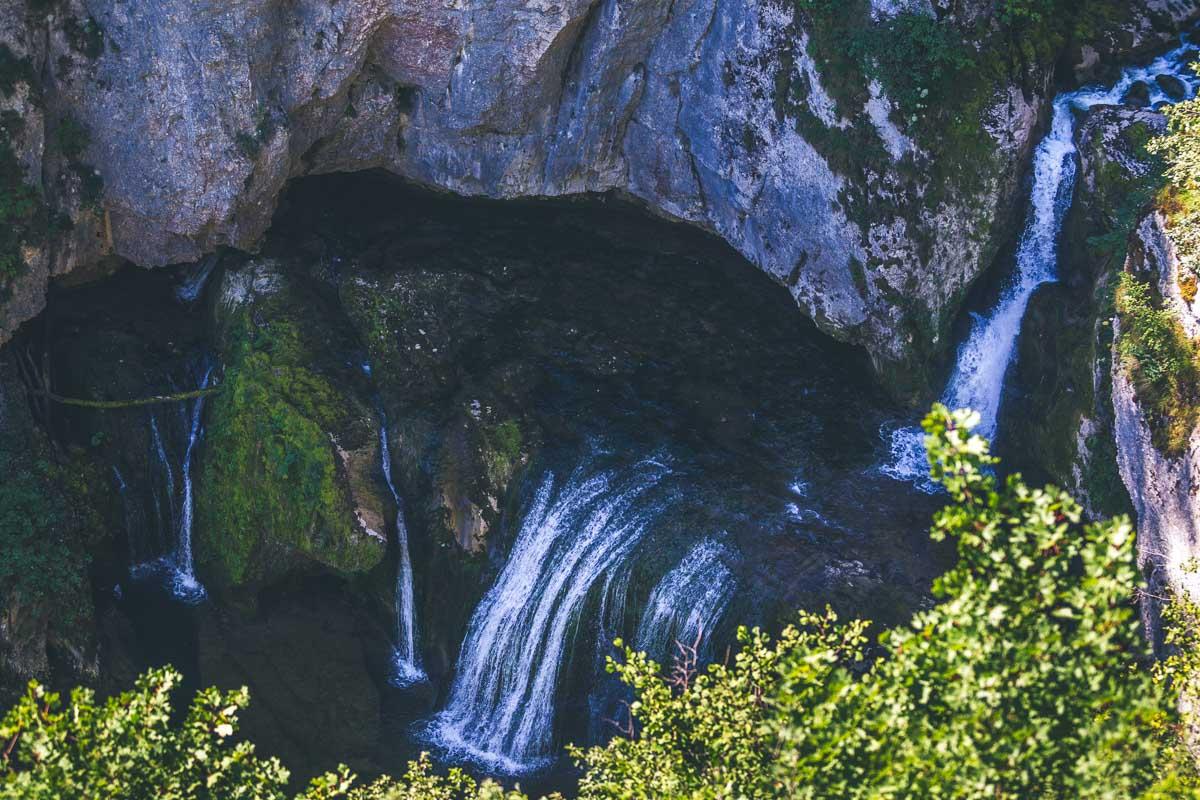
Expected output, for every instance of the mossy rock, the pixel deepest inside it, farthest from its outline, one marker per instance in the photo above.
(284, 475)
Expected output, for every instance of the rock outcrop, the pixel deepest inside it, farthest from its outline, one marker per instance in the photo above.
(290, 467)
(717, 112)
(1165, 488)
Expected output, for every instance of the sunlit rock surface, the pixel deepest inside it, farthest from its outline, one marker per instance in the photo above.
(200, 112)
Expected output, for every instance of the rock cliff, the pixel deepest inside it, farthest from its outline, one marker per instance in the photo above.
(165, 130)
(1165, 487)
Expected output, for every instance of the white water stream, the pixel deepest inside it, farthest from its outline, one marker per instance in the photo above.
(687, 603)
(406, 665)
(502, 705)
(177, 567)
(984, 357)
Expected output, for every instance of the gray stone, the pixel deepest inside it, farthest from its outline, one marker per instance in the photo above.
(200, 111)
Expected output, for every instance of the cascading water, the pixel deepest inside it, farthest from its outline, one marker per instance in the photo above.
(502, 704)
(983, 359)
(184, 582)
(688, 602)
(168, 479)
(406, 667)
(177, 567)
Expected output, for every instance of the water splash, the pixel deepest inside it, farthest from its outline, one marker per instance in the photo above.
(688, 602)
(501, 709)
(983, 358)
(406, 665)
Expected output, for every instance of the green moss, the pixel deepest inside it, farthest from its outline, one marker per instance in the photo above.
(50, 520)
(272, 489)
(1162, 362)
(502, 451)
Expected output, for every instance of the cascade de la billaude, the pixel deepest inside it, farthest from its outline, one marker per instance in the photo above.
(397, 365)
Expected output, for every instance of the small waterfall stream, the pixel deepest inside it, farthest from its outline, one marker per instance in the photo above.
(574, 536)
(687, 603)
(977, 381)
(177, 568)
(406, 667)
(185, 585)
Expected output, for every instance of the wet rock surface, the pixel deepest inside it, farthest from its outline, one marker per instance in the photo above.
(1058, 409)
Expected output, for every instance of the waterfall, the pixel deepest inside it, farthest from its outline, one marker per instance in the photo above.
(977, 381)
(195, 278)
(177, 568)
(501, 708)
(185, 585)
(161, 452)
(406, 668)
(688, 602)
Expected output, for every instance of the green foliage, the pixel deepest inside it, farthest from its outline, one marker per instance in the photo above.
(421, 783)
(270, 472)
(37, 559)
(132, 747)
(920, 62)
(1028, 679)
(1180, 147)
(1162, 362)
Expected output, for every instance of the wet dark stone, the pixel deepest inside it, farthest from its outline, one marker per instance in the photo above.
(1138, 95)
(1189, 56)
(1172, 87)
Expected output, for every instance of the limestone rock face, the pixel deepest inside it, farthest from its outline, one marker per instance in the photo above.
(199, 111)
(1165, 489)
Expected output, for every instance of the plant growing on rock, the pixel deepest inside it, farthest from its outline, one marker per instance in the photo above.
(1162, 362)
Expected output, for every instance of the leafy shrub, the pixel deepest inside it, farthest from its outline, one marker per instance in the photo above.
(1022, 682)
(918, 60)
(1163, 363)
(132, 746)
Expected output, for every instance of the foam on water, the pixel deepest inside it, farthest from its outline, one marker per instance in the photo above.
(575, 535)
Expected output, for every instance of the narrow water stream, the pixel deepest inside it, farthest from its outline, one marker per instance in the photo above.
(977, 381)
(406, 659)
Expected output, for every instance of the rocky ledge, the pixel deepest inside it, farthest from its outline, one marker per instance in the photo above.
(160, 132)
